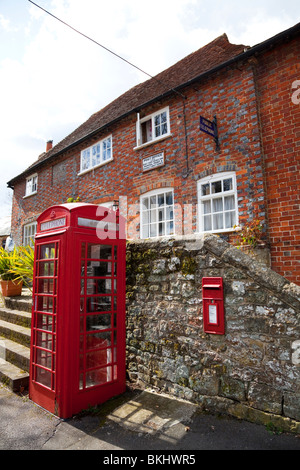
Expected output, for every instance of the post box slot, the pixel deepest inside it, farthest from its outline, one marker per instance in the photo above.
(212, 286)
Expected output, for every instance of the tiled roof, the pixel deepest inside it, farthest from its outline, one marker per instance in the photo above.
(217, 52)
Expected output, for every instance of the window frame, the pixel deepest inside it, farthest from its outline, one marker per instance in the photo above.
(157, 208)
(209, 180)
(151, 117)
(33, 185)
(27, 238)
(99, 155)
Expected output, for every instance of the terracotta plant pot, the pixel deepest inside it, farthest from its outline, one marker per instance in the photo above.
(11, 288)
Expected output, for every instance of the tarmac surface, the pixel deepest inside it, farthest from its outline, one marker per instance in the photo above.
(137, 424)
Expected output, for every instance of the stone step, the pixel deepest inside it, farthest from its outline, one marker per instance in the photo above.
(13, 377)
(15, 353)
(19, 334)
(17, 317)
(15, 333)
(22, 302)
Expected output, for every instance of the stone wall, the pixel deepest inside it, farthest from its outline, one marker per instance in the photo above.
(252, 371)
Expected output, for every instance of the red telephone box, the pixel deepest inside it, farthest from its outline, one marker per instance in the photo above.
(213, 305)
(78, 316)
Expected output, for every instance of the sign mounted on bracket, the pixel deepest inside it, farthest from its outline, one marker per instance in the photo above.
(210, 128)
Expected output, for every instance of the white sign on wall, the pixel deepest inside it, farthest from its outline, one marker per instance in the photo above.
(153, 162)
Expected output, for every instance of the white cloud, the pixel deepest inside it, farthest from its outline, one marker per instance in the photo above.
(5, 24)
(259, 28)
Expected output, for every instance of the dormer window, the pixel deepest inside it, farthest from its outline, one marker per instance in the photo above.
(31, 185)
(152, 128)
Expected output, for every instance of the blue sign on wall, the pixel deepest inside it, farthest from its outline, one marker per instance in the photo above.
(207, 126)
(210, 128)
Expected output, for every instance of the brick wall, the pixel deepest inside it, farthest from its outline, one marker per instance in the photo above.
(231, 97)
(280, 123)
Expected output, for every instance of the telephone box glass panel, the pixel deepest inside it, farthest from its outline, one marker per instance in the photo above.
(44, 319)
(97, 362)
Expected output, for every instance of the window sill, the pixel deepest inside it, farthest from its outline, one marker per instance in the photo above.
(159, 237)
(216, 232)
(83, 172)
(151, 142)
(29, 195)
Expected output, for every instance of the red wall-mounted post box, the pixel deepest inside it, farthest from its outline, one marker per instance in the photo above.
(213, 305)
(77, 354)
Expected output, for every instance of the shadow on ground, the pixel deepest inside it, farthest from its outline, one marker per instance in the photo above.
(135, 421)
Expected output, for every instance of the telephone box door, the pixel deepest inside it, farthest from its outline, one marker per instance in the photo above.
(47, 269)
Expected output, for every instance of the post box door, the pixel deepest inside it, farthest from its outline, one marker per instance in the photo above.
(213, 305)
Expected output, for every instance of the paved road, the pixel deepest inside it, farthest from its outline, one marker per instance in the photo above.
(144, 422)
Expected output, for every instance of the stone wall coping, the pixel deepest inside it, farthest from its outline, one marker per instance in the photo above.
(281, 287)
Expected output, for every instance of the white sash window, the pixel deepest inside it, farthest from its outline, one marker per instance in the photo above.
(217, 199)
(157, 213)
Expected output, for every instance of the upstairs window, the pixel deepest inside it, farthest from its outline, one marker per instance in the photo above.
(153, 127)
(28, 234)
(157, 214)
(31, 185)
(96, 155)
(217, 200)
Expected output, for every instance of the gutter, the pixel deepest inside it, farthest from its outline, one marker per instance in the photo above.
(255, 50)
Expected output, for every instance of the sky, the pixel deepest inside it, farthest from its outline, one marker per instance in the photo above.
(53, 79)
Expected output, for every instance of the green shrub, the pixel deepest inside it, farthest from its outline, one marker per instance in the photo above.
(17, 264)
(23, 266)
(8, 260)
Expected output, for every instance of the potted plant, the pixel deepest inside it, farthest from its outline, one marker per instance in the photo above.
(10, 281)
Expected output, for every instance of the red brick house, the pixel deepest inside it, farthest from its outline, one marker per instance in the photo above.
(147, 148)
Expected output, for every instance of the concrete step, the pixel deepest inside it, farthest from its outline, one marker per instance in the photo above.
(17, 317)
(13, 377)
(15, 353)
(19, 334)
